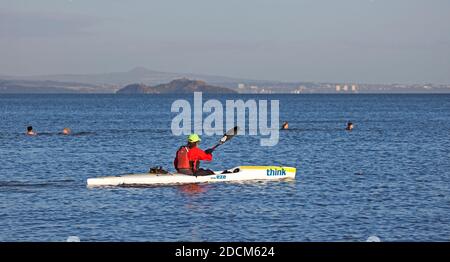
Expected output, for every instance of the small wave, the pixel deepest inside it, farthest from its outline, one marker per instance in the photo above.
(312, 129)
(83, 133)
(26, 184)
(142, 130)
(43, 134)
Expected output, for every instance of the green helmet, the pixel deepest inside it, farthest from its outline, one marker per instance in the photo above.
(194, 138)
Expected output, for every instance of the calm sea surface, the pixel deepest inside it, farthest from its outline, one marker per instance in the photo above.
(389, 177)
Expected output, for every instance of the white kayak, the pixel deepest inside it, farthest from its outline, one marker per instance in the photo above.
(240, 173)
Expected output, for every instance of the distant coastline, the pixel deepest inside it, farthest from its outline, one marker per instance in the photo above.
(154, 82)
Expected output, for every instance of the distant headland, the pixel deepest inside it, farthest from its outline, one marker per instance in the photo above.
(177, 86)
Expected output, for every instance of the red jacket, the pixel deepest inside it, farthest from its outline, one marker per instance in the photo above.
(194, 154)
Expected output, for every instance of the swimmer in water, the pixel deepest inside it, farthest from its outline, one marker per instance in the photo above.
(349, 126)
(285, 126)
(66, 131)
(30, 131)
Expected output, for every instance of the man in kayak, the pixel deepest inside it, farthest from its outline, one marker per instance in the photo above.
(188, 157)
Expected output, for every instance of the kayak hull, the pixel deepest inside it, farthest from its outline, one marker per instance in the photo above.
(241, 173)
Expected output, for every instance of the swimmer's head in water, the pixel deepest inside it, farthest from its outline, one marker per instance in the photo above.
(349, 126)
(285, 125)
(66, 131)
(30, 131)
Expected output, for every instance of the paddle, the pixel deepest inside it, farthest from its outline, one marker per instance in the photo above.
(227, 137)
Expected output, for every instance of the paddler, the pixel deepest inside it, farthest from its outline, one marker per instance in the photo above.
(30, 131)
(188, 157)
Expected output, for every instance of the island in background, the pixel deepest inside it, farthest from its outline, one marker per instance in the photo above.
(178, 86)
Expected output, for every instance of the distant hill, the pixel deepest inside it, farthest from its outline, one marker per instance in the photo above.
(111, 82)
(136, 75)
(11, 86)
(178, 86)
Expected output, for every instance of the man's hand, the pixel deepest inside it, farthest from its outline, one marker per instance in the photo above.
(209, 151)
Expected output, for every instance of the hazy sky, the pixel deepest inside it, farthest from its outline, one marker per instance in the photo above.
(307, 40)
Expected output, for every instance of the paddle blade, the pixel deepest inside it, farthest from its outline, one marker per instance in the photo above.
(229, 134)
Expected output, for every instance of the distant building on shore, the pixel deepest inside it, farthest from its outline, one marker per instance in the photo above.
(299, 90)
(346, 88)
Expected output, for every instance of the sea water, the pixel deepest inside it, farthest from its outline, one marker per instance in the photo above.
(389, 177)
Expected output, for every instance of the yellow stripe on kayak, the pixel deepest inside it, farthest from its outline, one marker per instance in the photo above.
(288, 169)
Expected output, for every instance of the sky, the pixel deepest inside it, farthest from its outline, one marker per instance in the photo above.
(363, 41)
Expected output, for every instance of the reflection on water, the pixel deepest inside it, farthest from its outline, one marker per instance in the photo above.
(193, 189)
